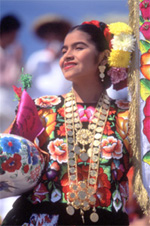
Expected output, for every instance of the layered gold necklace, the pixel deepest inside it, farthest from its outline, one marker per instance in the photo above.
(86, 145)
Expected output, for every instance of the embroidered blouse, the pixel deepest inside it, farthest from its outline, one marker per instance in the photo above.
(114, 163)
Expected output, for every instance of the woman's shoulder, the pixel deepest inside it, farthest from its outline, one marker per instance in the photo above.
(49, 101)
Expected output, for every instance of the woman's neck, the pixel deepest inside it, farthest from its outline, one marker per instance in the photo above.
(89, 93)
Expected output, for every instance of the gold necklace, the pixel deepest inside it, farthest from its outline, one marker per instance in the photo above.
(82, 193)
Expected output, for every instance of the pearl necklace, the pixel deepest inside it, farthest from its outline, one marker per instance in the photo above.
(81, 194)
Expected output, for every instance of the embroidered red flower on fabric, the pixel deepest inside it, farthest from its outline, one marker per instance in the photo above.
(111, 148)
(46, 101)
(58, 150)
(12, 164)
(61, 132)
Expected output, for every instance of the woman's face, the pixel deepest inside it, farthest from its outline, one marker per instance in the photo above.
(80, 59)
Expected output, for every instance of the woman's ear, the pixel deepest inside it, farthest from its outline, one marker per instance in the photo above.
(103, 57)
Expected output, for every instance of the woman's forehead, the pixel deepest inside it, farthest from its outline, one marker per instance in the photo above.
(77, 35)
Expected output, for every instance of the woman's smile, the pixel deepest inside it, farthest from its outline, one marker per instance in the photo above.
(69, 65)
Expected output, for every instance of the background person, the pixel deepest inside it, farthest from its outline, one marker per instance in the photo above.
(43, 64)
(11, 55)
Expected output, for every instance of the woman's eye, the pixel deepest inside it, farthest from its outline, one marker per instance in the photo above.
(63, 52)
(79, 47)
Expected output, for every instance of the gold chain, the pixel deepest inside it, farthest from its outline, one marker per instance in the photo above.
(81, 194)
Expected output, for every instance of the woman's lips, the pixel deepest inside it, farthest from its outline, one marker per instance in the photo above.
(69, 65)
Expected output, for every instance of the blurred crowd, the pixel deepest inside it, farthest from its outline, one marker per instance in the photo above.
(43, 64)
(47, 79)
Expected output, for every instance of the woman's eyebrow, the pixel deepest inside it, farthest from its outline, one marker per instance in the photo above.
(74, 44)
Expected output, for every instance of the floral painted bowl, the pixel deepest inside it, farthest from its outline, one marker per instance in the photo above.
(21, 165)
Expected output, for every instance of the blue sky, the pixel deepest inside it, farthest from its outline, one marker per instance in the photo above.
(76, 11)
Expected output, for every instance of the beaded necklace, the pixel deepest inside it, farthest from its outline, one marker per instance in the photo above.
(81, 194)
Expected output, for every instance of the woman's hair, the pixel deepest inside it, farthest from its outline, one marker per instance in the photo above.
(96, 34)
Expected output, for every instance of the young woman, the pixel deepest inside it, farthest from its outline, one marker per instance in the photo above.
(86, 136)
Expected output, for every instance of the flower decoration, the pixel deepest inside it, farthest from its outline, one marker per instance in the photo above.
(123, 42)
(120, 56)
(119, 27)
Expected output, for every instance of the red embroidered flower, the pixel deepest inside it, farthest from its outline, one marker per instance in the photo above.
(58, 150)
(102, 180)
(12, 164)
(107, 129)
(104, 197)
(61, 112)
(85, 114)
(26, 168)
(40, 192)
(47, 101)
(55, 166)
(111, 148)
(61, 132)
(112, 111)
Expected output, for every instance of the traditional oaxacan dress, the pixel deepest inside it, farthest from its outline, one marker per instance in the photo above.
(46, 203)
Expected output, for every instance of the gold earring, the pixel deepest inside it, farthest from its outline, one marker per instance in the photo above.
(101, 72)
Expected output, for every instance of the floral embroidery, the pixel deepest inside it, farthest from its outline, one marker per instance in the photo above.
(103, 179)
(42, 220)
(48, 118)
(12, 164)
(58, 150)
(35, 173)
(54, 183)
(111, 148)
(107, 130)
(117, 170)
(112, 111)
(117, 202)
(61, 132)
(55, 166)
(122, 104)
(10, 145)
(61, 112)
(124, 191)
(85, 115)
(47, 101)
(55, 195)
(40, 192)
(104, 197)
(25, 168)
(122, 128)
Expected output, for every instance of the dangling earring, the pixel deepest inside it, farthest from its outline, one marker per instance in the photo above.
(101, 72)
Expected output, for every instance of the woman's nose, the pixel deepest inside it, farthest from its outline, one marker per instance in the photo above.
(69, 55)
